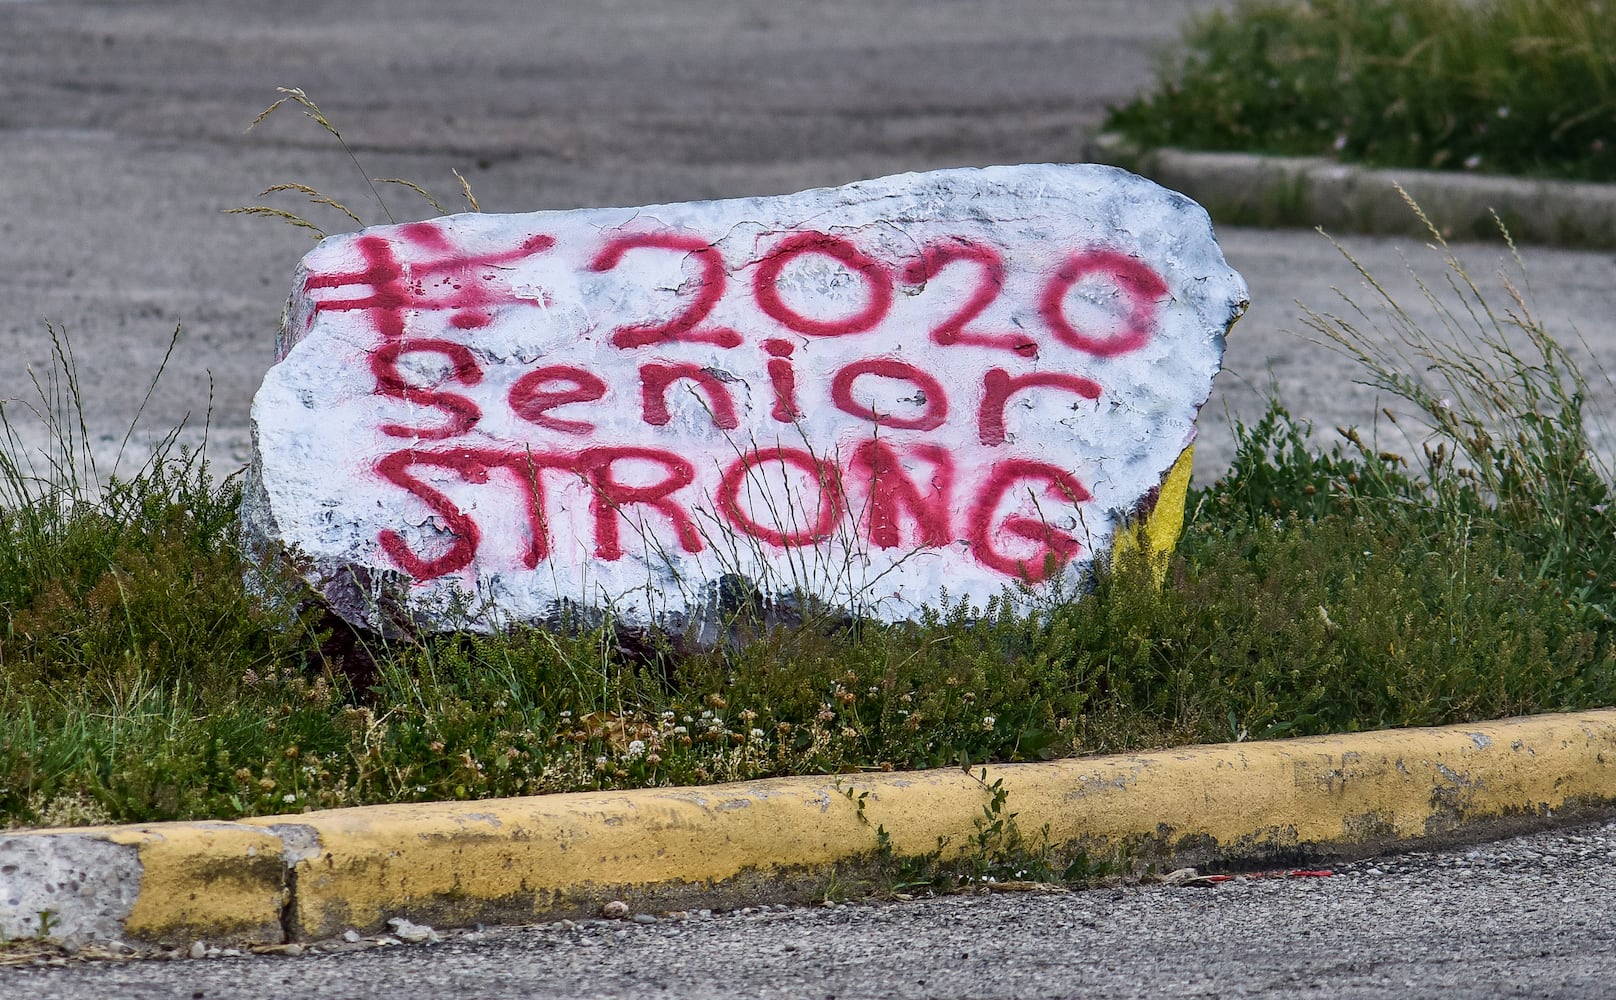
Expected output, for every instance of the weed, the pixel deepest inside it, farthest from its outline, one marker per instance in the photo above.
(997, 856)
(140, 680)
(1467, 575)
(297, 97)
(1511, 86)
(1504, 436)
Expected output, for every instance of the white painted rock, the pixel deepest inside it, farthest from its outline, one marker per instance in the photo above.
(947, 382)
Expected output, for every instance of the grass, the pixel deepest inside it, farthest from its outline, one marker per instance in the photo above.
(1506, 86)
(1463, 573)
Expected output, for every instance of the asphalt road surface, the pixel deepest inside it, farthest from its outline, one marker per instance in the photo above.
(1528, 917)
(122, 143)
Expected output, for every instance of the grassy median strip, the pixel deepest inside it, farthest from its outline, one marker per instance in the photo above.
(1464, 573)
(1496, 86)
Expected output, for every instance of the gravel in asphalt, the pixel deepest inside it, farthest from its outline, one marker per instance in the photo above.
(1528, 917)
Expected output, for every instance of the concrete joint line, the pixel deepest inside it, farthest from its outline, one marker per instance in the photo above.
(276, 879)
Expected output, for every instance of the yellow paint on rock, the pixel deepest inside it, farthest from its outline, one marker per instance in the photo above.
(520, 858)
(1157, 534)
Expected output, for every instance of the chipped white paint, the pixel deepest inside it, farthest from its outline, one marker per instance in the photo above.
(876, 394)
(298, 842)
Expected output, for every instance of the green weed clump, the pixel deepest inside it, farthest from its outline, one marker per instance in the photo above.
(1463, 572)
(1506, 86)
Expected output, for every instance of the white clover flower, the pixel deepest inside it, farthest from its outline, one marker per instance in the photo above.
(987, 723)
(757, 734)
(636, 748)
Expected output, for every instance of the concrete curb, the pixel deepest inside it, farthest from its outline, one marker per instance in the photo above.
(1271, 191)
(283, 879)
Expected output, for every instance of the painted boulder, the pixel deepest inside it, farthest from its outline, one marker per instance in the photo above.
(877, 395)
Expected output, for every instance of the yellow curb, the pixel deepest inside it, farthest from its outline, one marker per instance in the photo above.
(206, 880)
(514, 860)
(519, 859)
(164, 883)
